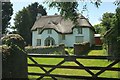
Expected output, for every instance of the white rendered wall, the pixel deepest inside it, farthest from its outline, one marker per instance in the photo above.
(69, 41)
(70, 38)
(43, 36)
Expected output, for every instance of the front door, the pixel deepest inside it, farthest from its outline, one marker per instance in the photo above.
(49, 41)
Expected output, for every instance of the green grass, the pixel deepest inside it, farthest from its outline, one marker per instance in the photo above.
(86, 62)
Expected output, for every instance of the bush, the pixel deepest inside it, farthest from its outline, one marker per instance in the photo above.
(14, 59)
(13, 39)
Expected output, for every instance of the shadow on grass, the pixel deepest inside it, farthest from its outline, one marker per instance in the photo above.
(96, 48)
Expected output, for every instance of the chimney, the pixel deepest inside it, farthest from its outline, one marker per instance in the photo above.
(38, 16)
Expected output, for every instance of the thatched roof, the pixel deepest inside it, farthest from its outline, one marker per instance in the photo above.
(59, 24)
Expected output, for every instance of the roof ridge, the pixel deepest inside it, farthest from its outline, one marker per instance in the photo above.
(50, 16)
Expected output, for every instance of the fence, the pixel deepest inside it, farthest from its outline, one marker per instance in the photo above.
(72, 58)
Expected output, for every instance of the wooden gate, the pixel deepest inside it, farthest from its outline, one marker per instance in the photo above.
(73, 58)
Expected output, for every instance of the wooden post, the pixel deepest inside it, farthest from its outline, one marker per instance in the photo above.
(0, 63)
(78, 48)
(0, 40)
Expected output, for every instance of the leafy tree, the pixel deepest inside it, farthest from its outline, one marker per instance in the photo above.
(117, 29)
(69, 9)
(7, 12)
(24, 20)
(107, 20)
(97, 28)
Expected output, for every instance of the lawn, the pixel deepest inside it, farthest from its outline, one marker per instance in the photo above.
(86, 62)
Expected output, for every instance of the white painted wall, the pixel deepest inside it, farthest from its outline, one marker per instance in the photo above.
(69, 41)
(92, 39)
(43, 36)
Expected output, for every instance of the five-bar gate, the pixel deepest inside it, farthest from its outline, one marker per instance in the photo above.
(73, 58)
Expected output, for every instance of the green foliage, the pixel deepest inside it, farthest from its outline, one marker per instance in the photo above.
(70, 50)
(107, 20)
(69, 9)
(7, 12)
(117, 2)
(24, 20)
(97, 28)
(13, 39)
(117, 28)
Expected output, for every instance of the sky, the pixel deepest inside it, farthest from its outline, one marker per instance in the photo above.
(94, 14)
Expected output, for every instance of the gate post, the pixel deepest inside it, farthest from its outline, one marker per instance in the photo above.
(0, 63)
(14, 58)
(0, 40)
(78, 48)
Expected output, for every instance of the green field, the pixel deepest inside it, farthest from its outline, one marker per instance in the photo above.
(86, 62)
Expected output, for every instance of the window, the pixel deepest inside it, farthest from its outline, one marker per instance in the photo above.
(49, 31)
(79, 30)
(63, 37)
(39, 31)
(38, 42)
(79, 39)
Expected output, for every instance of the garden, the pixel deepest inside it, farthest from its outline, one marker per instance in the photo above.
(75, 72)
(13, 53)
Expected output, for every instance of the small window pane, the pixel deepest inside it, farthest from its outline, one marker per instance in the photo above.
(49, 31)
(79, 30)
(39, 31)
(38, 42)
(63, 37)
(79, 39)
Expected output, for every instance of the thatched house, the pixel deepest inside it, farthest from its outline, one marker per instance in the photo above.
(53, 30)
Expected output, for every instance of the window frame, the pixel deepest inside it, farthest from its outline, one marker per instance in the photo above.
(49, 31)
(38, 43)
(39, 31)
(63, 36)
(81, 39)
(79, 30)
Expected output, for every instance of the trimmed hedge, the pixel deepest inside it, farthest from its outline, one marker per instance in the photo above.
(14, 59)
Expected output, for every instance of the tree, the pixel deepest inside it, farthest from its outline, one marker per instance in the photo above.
(117, 28)
(69, 9)
(98, 28)
(24, 20)
(107, 20)
(7, 12)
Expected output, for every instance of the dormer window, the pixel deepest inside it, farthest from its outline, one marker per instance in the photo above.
(79, 30)
(39, 31)
(49, 31)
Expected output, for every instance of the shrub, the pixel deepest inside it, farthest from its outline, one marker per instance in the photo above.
(12, 56)
(12, 40)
